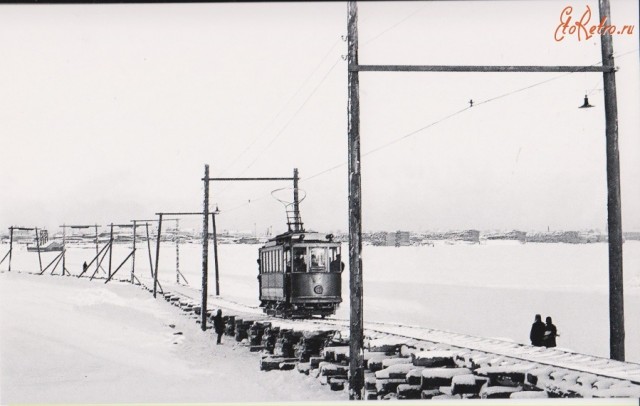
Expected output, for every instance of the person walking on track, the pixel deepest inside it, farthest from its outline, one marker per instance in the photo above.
(218, 325)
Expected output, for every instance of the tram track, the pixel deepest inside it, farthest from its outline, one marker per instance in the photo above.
(514, 352)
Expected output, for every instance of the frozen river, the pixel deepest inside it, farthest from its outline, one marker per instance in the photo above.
(488, 290)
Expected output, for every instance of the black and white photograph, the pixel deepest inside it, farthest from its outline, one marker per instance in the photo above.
(248, 202)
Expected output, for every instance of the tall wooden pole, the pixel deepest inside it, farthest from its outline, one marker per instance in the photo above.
(155, 273)
(205, 248)
(97, 250)
(296, 203)
(64, 249)
(149, 249)
(356, 358)
(38, 246)
(10, 246)
(177, 252)
(133, 260)
(614, 212)
(215, 252)
(110, 248)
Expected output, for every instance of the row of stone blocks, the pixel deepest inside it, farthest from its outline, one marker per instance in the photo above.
(421, 370)
(407, 369)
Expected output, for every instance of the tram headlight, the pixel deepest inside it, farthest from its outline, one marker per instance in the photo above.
(318, 289)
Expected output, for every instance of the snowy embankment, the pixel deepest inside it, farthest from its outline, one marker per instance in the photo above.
(69, 340)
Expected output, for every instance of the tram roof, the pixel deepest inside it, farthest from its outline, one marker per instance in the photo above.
(301, 236)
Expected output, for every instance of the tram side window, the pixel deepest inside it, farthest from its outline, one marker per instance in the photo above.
(287, 260)
(299, 262)
(318, 259)
(265, 262)
(335, 262)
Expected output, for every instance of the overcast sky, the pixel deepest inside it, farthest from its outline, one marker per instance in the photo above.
(109, 113)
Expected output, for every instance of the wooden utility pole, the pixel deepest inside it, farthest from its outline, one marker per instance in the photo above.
(155, 273)
(133, 259)
(38, 246)
(296, 205)
(97, 250)
(110, 249)
(205, 248)
(356, 342)
(215, 251)
(11, 246)
(177, 252)
(614, 209)
(149, 249)
(64, 249)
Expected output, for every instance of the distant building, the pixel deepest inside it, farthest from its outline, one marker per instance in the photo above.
(398, 239)
(511, 235)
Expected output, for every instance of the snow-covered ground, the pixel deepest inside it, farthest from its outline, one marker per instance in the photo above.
(70, 340)
(490, 290)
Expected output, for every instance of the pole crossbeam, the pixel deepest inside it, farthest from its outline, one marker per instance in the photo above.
(179, 214)
(246, 179)
(479, 68)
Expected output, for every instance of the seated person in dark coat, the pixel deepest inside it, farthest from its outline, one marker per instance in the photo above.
(550, 334)
(537, 332)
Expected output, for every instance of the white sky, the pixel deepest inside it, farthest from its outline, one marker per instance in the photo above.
(109, 113)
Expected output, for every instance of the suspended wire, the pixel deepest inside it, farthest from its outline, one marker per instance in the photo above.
(282, 130)
(365, 43)
(417, 131)
(375, 37)
(241, 154)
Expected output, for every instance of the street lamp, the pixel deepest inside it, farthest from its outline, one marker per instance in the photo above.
(215, 248)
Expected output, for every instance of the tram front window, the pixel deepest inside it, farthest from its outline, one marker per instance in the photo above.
(335, 262)
(299, 263)
(318, 259)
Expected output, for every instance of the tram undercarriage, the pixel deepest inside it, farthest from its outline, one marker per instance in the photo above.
(301, 310)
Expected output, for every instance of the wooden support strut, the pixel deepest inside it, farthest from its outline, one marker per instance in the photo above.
(5, 256)
(60, 258)
(119, 266)
(50, 263)
(94, 259)
(100, 262)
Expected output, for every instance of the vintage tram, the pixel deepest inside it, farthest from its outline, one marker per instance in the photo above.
(300, 272)
(300, 275)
